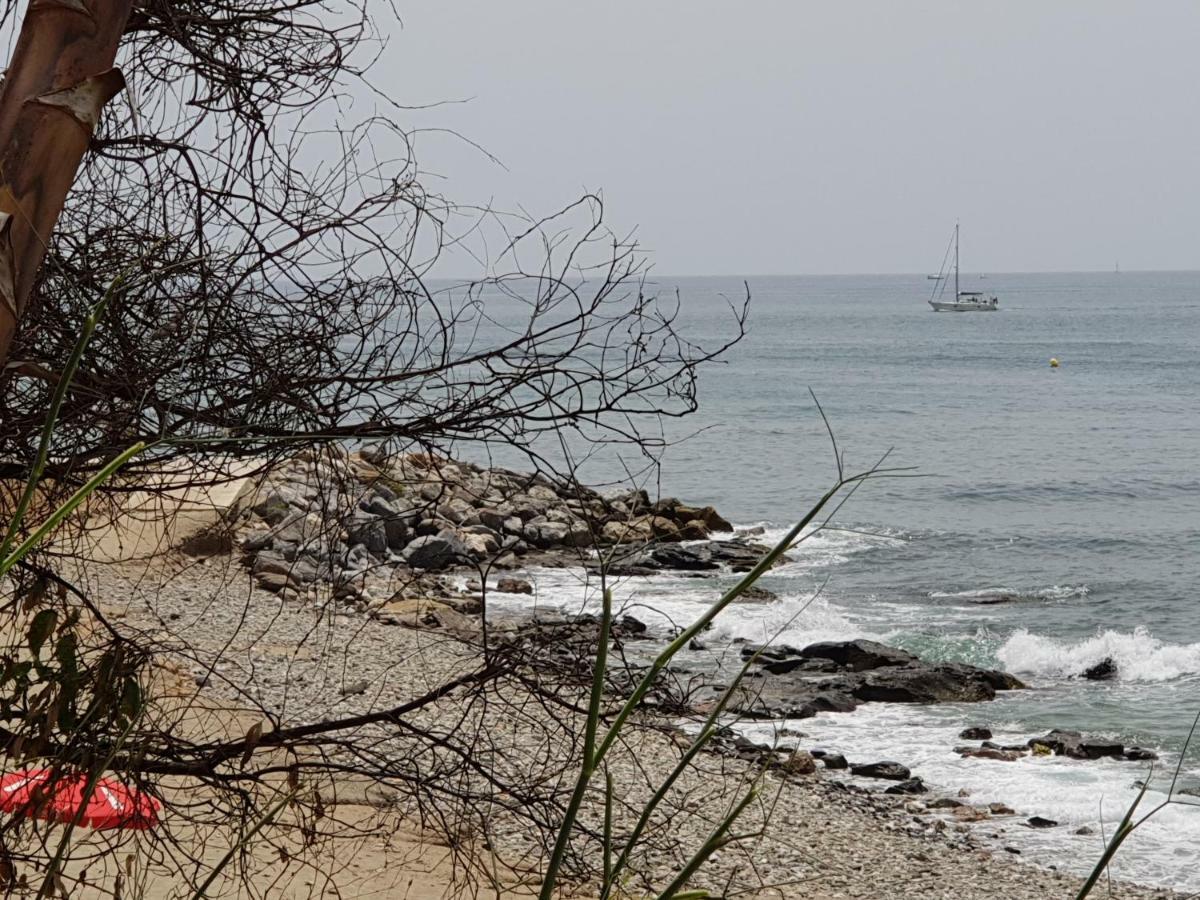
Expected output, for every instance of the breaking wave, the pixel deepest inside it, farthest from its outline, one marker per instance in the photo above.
(1139, 655)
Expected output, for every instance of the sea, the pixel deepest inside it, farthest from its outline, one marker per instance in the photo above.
(1049, 519)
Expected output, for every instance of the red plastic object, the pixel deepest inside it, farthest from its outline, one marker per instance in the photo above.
(38, 794)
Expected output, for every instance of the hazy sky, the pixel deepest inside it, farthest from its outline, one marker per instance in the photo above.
(801, 137)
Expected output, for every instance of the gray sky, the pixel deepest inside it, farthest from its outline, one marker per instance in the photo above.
(801, 137)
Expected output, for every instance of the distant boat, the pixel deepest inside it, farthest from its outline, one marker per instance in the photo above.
(964, 301)
(938, 277)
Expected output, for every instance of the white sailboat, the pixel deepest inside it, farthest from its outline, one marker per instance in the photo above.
(964, 301)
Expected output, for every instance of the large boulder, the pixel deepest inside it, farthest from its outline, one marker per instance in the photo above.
(858, 655)
(922, 683)
(435, 552)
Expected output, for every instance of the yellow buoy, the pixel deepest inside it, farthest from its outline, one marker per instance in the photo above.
(1053, 363)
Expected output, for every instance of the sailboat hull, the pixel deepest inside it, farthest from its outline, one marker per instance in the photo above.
(963, 306)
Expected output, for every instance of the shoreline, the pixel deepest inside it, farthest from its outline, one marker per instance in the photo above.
(868, 844)
(394, 606)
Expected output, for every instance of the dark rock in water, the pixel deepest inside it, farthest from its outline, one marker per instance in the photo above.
(1140, 753)
(941, 683)
(858, 656)
(1105, 670)
(976, 733)
(1001, 809)
(756, 594)
(1098, 750)
(770, 651)
(1039, 822)
(1058, 741)
(892, 771)
(909, 786)
(834, 761)
(987, 753)
(628, 625)
(1084, 829)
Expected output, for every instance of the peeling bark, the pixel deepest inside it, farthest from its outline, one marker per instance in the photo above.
(59, 79)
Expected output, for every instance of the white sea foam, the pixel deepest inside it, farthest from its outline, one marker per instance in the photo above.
(1071, 792)
(1053, 592)
(1139, 655)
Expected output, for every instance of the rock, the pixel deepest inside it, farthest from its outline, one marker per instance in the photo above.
(275, 582)
(274, 507)
(940, 683)
(424, 613)
(1098, 750)
(987, 753)
(710, 517)
(353, 689)
(694, 530)
(908, 786)
(799, 762)
(256, 540)
(269, 563)
(514, 586)
(944, 803)
(892, 771)
(756, 594)
(999, 809)
(1058, 741)
(976, 733)
(834, 761)
(967, 813)
(371, 533)
(628, 625)
(1105, 670)
(1039, 822)
(859, 655)
(1084, 829)
(434, 552)
(636, 531)
(546, 535)
(1140, 753)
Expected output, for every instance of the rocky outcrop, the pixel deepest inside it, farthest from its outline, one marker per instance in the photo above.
(837, 676)
(373, 526)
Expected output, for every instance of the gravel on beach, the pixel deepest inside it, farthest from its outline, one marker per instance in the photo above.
(810, 835)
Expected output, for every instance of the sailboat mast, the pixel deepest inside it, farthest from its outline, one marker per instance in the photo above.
(956, 262)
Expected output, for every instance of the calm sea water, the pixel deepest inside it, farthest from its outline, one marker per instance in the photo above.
(1075, 492)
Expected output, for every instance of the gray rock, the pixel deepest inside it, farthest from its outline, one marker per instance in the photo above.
(834, 761)
(371, 533)
(892, 771)
(275, 506)
(434, 552)
(276, 582)
(1140, 753)
(858, 656)
(1040, 822)
(908, 786)
(269, 563)
(1059, 741)
(976, 733)
(258, 539)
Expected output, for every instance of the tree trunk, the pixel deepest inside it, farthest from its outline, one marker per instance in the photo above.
(60, 77)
